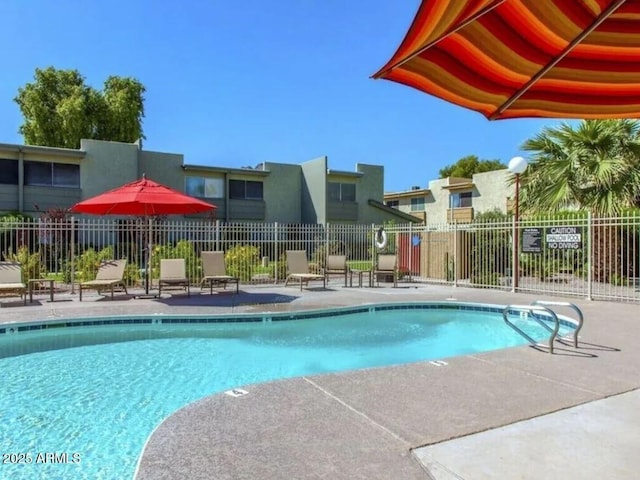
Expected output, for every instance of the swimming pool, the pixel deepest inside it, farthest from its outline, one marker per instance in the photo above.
(89, 392)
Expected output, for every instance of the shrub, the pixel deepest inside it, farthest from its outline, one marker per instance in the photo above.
(30, 262)
(279, 266)
(486, 278)
(132, 274)
(16, 231)
(617, 280)
(490, 256)
(241, 260)
(87, 264)
(182, 249)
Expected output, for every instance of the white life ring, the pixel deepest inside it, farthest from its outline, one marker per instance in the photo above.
(381, 238)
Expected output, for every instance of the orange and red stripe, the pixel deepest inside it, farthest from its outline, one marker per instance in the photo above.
(500, 57)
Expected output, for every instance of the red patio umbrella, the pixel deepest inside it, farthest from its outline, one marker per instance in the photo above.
(525, 58)
(143, 197)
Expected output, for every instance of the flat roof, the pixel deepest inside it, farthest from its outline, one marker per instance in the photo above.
(55, 151)
(408, 193)
(344, 173)
(459, 186)
(243, 171)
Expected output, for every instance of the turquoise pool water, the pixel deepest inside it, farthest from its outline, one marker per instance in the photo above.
(90, 396)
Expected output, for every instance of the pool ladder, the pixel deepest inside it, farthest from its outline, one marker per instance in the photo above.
(542, 307)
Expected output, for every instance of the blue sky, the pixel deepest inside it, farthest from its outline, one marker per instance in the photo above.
(235, 83)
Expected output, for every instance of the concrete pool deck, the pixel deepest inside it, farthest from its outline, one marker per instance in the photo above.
(512, 413)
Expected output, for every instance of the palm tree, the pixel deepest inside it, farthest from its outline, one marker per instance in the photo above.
(593, 166)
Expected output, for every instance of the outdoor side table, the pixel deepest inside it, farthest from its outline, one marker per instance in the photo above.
(359, 273)
(34, 281)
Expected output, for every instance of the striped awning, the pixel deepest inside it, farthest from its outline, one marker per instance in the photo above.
(525, 58)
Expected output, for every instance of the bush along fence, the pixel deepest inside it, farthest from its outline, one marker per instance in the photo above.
(577, 254)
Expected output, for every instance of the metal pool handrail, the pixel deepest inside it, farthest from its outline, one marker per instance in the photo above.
(531, 309)
(580, 320)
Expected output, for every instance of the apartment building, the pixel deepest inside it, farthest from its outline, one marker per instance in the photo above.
(456, 199)
(34, 179)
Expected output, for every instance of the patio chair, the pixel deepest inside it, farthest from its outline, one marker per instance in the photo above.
(214, 271)
(11, 280)
(336, 265)
(386, 265)
(173, 274)
(110, 275)
(298, 269)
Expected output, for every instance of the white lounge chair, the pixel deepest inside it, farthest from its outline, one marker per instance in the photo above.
(215, 272)
(11, 280)
(173, 273)
(336, 265)
(386, 265)
(298, 269)
(110, 275)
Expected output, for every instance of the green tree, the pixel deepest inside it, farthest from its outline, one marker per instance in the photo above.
(124, 109)
(59, 109)
(467, 166)
(594, 165)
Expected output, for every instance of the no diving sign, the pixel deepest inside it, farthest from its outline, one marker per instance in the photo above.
(564, 238)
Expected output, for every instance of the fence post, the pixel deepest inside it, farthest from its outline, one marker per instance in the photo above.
(514, 256)
(410, 251)
(326, 242)
(217, 249)
(589, 257)
(276, 251)
(73, 255)
(148, 281)
(455, 253)
(373, 249)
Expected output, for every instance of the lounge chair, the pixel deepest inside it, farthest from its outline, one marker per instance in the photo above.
(11, 280)
(173, 274)
(386, 265)
(336, 265)
(298, 269)
(110, 275)
(214, 271)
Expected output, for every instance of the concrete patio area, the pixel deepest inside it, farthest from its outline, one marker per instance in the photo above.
(512, 413)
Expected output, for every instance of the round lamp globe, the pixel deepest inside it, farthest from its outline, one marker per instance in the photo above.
(517, 165)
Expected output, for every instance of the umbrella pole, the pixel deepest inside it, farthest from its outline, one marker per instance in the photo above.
(147, 264)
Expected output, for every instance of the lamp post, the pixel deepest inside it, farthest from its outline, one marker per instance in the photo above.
(517, 166)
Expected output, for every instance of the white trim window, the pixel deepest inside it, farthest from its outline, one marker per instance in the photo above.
(341, 192)
(204, 187)
(460, 200)
(417, 204)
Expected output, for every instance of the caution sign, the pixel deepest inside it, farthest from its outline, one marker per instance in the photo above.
(563, 238)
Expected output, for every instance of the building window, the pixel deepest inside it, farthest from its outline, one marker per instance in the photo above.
(342, 192)
(460, 200)
(45, 174)
(8, 172)
(417, 204)
(204, 187)
(393, 203)
(245, 190)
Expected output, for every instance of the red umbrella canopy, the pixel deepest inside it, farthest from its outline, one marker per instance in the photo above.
(142, 197)
(525, 58)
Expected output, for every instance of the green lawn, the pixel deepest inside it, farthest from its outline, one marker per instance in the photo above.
(359, 264)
